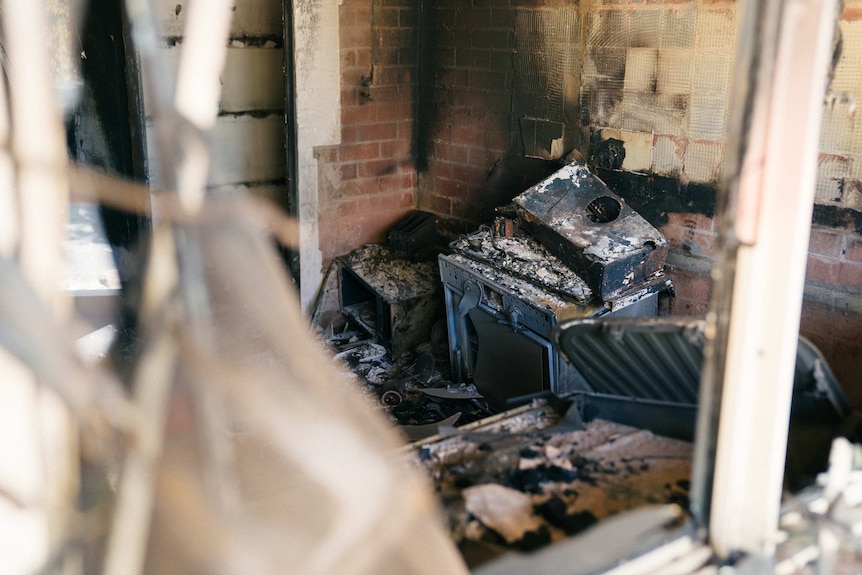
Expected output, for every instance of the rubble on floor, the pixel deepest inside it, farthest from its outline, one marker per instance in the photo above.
(414, 390)
(530, 477)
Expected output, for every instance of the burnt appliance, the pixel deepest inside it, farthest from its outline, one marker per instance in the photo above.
(393, 299)
(592, 230)
(504, 298)
(576, 250)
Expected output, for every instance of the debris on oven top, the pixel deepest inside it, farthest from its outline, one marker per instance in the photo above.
(526, 259)
(394, 279)
(522, 288)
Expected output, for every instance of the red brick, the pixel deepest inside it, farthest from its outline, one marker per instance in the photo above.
(696, 288)
(395, 149)
(386, 17)
(396, 182)
(353, 77)
(822, 269)
(366, 114)
(362, 187)
(326, 154)
(348, 58)
(349, 97)
(439, 205)
(439, 168)
(501, 60)
(366, 151)
(470, 98)
(826, 243)
(348, 134)
(347, 208)
(363, 57)
(686, 307)
(457, 116)
(444, 57)
(853, 250)
(469, 174)
(487, 80)
(392, 75)
(482, 157)
(377, 132)
(491, 39)
(348, 171)
(690, 240)
(468, 136)
(852, 13)
(503, 17)
(395, 112)
(850, 275)
(453, 78)
(450, 152)
(396, 38)
(377, 168)
(405, 129)
(355, 36)
(474, 18)
(449, 188)
(469, 58)
(497, 140)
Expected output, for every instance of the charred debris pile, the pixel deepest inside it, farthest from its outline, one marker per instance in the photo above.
(539, 474)
(411, 315)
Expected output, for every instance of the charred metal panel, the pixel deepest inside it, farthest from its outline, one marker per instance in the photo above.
(592, 230)
(656, 359)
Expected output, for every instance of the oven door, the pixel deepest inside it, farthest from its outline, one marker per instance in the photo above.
(509, 362)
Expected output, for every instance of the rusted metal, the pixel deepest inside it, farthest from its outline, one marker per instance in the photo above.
(592, 230)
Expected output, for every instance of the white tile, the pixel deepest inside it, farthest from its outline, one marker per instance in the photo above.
(716, 29)
(703, 161)
(707, 117)
(668, 156)
(252, 80)
(674, 71)
(641, 69)
(638, 147)
(710, 73)
(831, 171)
(836, 131)
(680, 27)
(848, 72)
(244, 149)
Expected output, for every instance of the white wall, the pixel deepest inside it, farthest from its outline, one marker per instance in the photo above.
(248, 141)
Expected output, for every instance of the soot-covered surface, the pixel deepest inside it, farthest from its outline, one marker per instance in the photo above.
(414, 390)
(522, 483)
(525, 258)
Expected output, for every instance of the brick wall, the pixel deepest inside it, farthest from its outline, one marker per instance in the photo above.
(465, 117)
(368, 181)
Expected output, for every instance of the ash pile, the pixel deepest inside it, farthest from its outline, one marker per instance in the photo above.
(540, 475)
(389, 331)
(567, 247)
